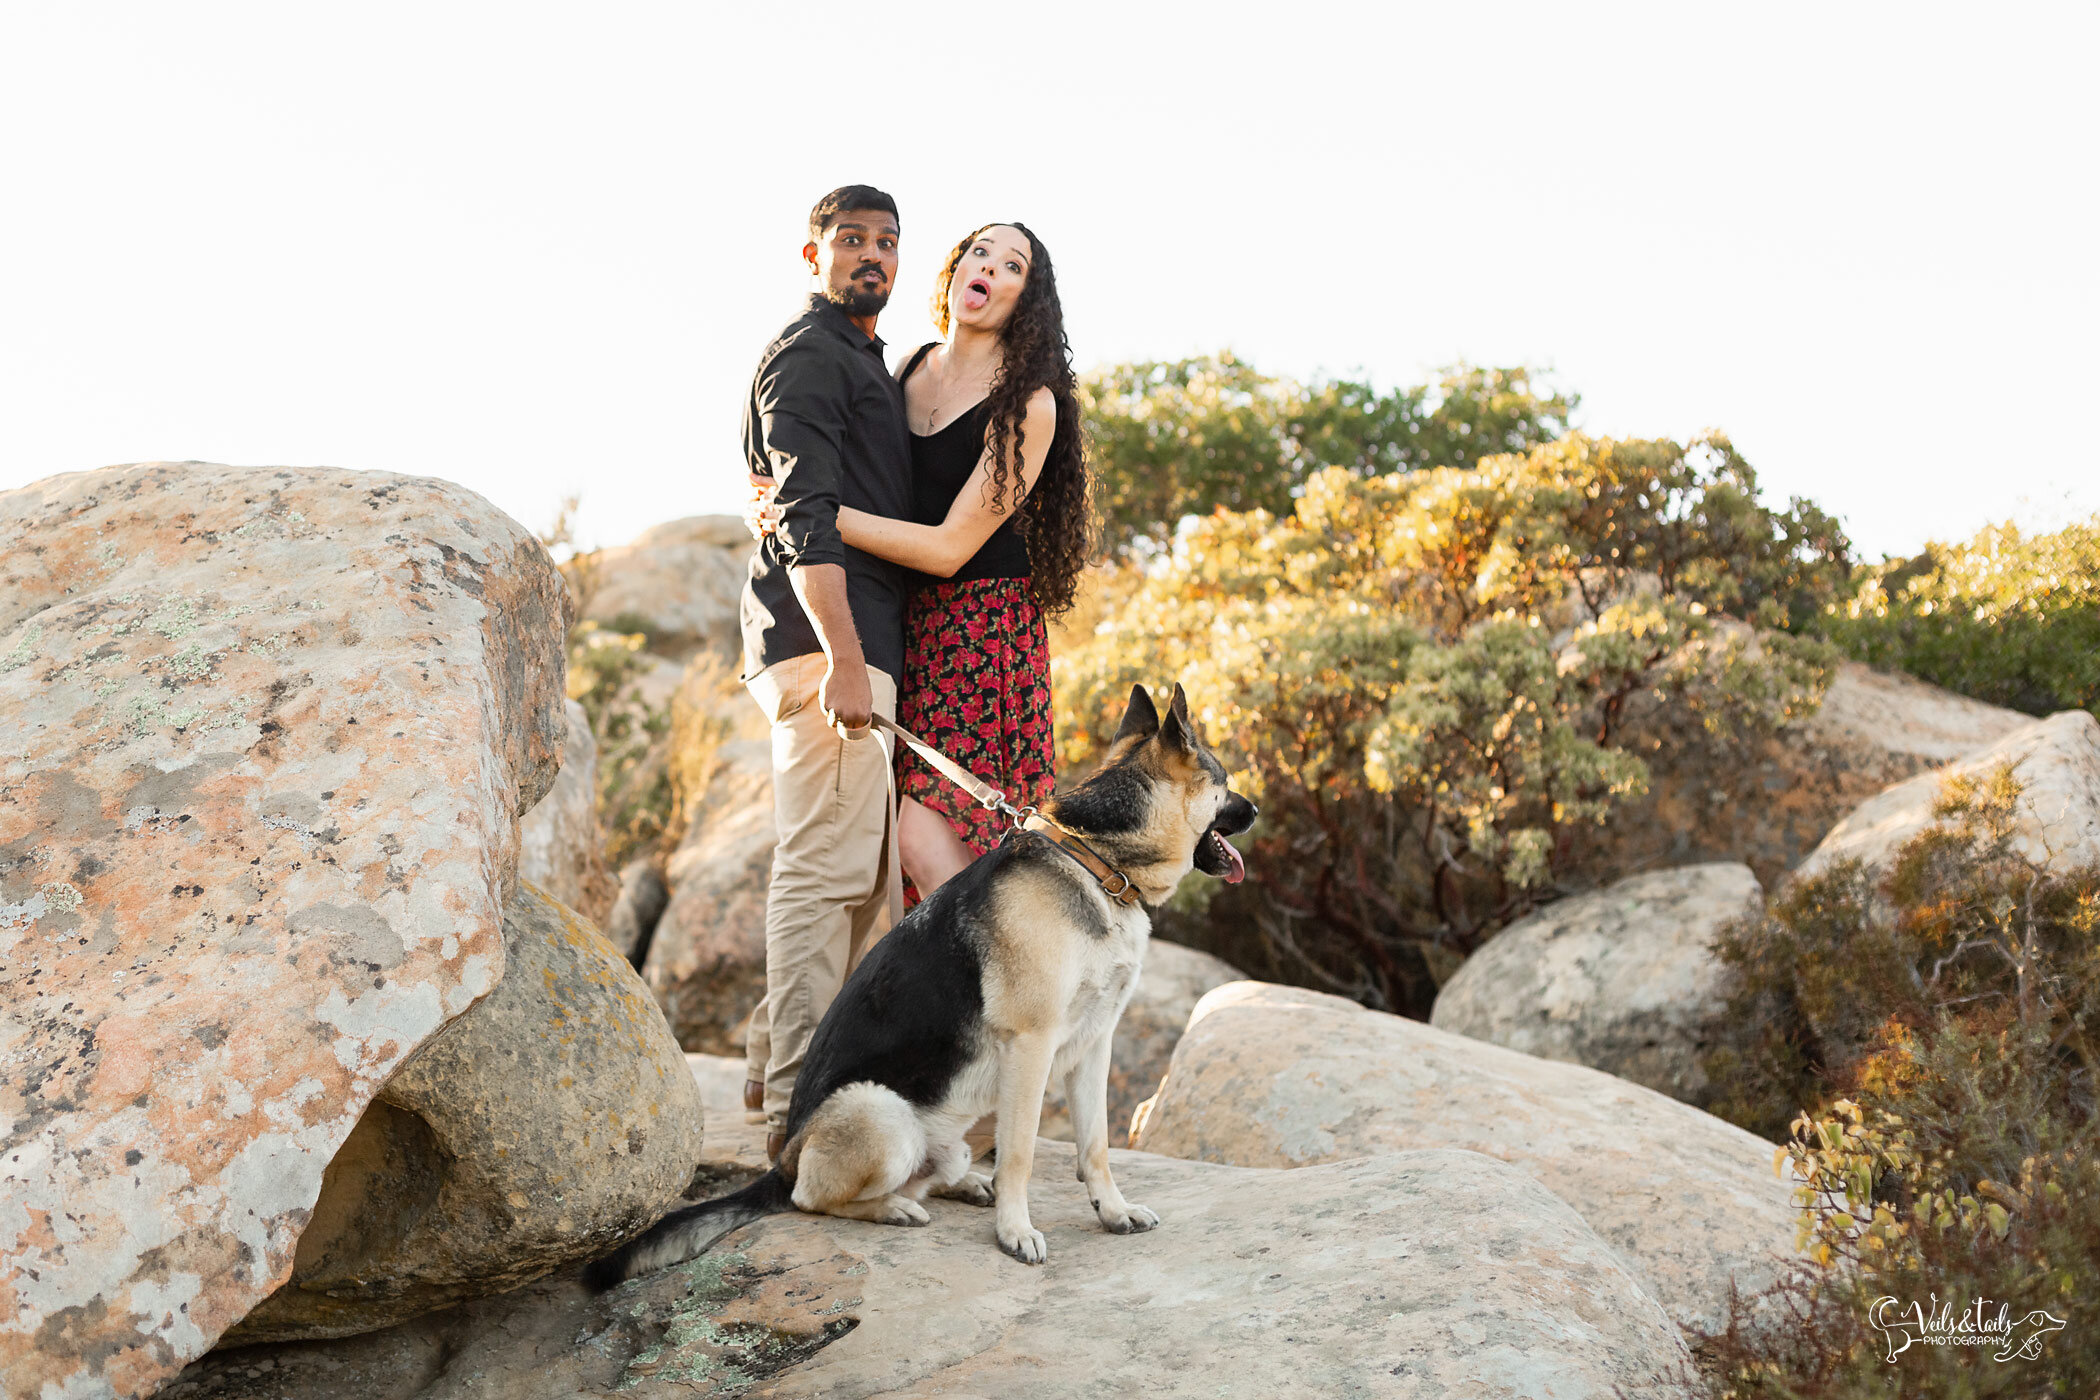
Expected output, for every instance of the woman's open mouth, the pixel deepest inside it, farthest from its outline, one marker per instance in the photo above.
(976, 292)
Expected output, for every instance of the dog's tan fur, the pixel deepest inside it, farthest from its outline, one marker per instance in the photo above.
(1052, 997)
(1057, 961)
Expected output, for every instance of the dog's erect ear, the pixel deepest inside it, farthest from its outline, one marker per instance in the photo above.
(1178, 731)
(1141, 720)
(1179, 705)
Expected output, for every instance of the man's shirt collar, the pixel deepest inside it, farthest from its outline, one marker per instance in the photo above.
(831, 314)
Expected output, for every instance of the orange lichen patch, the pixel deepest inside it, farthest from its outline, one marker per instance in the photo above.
(254, 843)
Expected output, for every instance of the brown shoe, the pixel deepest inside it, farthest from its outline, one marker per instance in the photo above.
(754, 1094)
(776, 1143)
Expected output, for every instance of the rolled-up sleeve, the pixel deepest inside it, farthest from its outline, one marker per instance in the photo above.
(803, 402)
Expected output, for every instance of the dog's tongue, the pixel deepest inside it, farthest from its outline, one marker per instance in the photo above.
(1239, 867)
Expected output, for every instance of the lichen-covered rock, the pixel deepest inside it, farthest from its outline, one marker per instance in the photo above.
(640, 905)
(1421, 1273)
(2057, 761)
(1766, 803)
(549, 1123)
(683, 577)
(561, 848)
(707, 959)
(1622, 979)
(1269, 1076)
(265, 734)
(1173, 981)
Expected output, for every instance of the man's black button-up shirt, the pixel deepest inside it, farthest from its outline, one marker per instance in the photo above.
(826, 420)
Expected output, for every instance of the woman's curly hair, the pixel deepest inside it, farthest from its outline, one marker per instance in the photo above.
(1057, 517)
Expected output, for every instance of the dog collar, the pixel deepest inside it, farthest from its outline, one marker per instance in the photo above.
(1114, 883)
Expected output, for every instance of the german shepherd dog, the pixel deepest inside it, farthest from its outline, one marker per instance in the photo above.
(1014, 971)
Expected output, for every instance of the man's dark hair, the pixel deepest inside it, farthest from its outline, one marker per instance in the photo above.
(843, 198)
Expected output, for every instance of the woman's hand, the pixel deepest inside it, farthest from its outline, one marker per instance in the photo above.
(761, 514)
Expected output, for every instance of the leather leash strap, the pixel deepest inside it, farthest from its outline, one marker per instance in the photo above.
(1114, 883)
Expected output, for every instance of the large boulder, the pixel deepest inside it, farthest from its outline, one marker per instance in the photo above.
(1419, 1273)
(265, 734)
(1173, 981)
(2057, 761)
(1622, 979)
(1270, 1076)
(707, 958)
(561, 848)
(1767, 804)
(551, 1122)
(683, 578)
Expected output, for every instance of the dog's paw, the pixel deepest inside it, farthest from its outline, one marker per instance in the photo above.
(1026, 1245)
(976, 1188)
(898, 1210)
(1130, 1220)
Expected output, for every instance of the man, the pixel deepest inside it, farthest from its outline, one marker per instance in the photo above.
(823, 632)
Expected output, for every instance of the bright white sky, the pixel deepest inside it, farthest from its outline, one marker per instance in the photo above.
(536, 249)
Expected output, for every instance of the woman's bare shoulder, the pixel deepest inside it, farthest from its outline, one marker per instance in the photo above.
(917, 359)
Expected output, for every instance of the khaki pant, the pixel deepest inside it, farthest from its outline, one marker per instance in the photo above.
(835, 888)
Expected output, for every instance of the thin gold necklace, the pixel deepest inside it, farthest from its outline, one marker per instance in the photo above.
(933, 414)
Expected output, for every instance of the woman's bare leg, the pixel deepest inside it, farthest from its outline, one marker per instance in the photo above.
(931, 851)
(933, 854)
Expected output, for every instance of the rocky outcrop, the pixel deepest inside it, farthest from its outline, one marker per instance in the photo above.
(1417, 1273)
(1173, 981)
(552, 1121)
(265, 734)
(1269, 1076)
(1767, 804)
(635, 913)
(561, 848)
(707, 960)
(1623, 979)
(2057, 761)
(682, 577)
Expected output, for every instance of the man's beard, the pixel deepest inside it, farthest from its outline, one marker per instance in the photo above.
(855, 302)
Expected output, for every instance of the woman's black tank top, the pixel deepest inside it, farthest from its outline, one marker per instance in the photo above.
(941, 464)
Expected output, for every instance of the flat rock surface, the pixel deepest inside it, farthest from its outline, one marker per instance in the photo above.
(1270, 1076)
(561, 848)
(2057, 761)
(728, 1139)
(1431, 1273)
(1622, 979)
(264, 737)
(544, 1127)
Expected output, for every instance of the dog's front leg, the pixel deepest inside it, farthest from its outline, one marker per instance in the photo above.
(1024, 1073)
(1086, 1090)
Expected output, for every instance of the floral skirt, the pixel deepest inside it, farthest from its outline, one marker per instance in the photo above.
(977, 687)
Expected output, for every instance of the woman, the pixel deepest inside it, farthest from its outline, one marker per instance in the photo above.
(1001, 528)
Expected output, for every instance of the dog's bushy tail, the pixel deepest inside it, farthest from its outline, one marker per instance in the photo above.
(687, 1232)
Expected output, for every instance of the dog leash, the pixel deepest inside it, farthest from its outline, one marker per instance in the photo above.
(1114, 883)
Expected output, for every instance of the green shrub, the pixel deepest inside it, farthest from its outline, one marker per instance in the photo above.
(1423, 678)
(635, 796)
(1930, 1033)
(2009, 618)
(1961, 923)
(1168, 440)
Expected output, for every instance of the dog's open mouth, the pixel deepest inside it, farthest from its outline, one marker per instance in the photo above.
(1235, 868)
